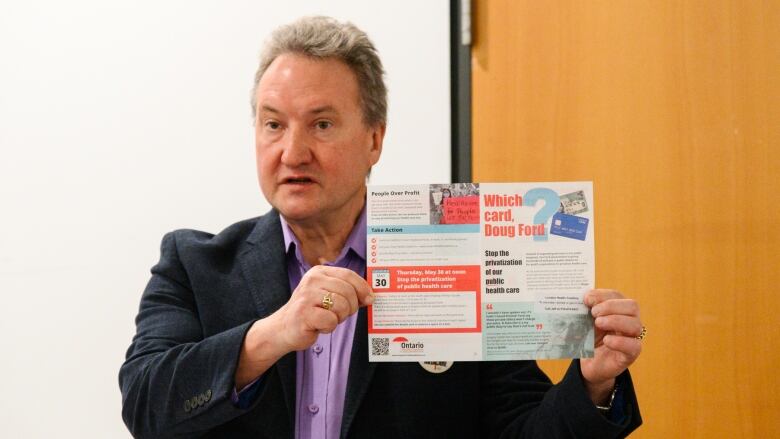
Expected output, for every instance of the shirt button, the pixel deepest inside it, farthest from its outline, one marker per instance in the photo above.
(317, 349)
(314, 408)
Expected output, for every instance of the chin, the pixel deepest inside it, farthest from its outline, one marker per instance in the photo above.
(296, 213)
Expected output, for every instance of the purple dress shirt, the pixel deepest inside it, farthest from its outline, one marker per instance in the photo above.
(323, 368)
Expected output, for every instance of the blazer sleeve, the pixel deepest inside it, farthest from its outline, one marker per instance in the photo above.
(175, 382)
(522, 403)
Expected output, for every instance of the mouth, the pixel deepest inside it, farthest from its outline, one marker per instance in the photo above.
(298, 180)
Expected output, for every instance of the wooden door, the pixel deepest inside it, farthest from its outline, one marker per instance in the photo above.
(672, 109)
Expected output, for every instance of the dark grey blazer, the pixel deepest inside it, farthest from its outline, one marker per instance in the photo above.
(208, 289)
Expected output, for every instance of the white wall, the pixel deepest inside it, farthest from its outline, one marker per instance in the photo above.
(121, 120)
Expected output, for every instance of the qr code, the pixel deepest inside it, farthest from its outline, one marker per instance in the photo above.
(380, 346)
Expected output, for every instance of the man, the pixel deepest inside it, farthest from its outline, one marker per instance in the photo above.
(260, 331)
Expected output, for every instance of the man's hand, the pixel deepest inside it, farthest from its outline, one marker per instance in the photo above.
(296, 325)
(617, 326)
(303, 318)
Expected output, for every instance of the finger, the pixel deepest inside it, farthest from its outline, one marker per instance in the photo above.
(340, 305)
(320, 279)
(596, 296)
(323, 284)
(630, 347)
(627, 307)
(321, 320)
(620, 324)
(364, 294)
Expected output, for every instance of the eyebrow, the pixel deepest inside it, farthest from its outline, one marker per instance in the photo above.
(317, 110)
(323, 109)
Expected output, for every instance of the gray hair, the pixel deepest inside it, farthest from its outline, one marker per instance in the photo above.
(324, 37)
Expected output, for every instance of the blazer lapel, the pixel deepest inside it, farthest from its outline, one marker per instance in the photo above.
(265, 267)
(360, 372)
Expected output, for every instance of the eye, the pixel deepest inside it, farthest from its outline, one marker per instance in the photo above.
(272, 125)
(324, 124)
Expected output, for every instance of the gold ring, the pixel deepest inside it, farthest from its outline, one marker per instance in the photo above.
(327, 300)
(642, 334)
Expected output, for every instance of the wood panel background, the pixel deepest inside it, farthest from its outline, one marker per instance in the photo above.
(672, 108)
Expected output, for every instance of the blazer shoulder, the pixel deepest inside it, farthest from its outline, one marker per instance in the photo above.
(230, 241)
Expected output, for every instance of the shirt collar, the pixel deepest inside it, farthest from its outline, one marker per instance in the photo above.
(356, 241)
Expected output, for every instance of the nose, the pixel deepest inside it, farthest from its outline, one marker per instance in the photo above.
(296, 147)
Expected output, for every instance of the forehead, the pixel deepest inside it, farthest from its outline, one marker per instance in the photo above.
(296, 80)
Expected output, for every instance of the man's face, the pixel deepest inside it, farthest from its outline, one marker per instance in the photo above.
(313, 148)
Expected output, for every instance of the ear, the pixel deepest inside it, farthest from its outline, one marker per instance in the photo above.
(377, 139)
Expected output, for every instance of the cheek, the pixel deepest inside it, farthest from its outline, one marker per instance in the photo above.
(346, 168)
(360, 157)
(264, 161)
(266, 156)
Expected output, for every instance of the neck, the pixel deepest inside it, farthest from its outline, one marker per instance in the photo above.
(322, 241)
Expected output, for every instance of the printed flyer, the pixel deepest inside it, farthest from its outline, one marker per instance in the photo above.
(480, 272)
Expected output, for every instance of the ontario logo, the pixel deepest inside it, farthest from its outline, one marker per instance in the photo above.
(409, 347)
